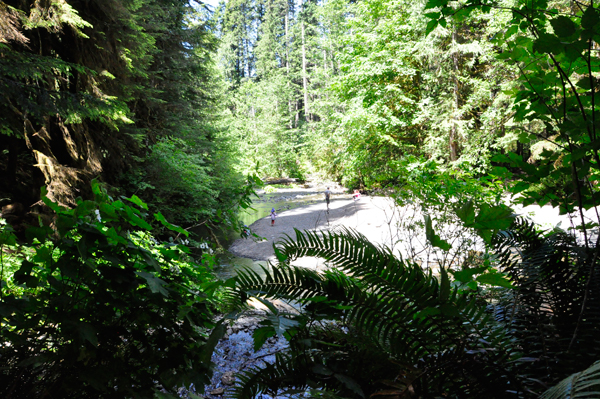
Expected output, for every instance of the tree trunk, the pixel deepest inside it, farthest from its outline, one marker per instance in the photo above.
(287, 61)
(287, 40)
(453, 143)
(304, 77)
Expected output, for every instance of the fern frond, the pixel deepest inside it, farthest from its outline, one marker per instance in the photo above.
(582, 385)
(281, 281)
(554, 312)
(407, 308)
(287, 370)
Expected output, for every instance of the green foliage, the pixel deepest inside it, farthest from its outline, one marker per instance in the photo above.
(40, 102)
(584, 384)
(403, 316)
(423, 334)
(443, 216)
(97, 307)
(122, 91)
(556, 97)
(259, 125)
(194, 193)
(552, 313)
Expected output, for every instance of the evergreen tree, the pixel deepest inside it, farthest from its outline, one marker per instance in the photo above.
(91, 89)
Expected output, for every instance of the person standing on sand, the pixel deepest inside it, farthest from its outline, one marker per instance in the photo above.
(273, 216)
(327, 196)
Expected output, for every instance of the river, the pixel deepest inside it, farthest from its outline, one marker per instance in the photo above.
(283, 199)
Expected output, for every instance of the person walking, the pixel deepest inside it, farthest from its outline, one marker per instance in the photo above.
(327, 197)
(273, 216)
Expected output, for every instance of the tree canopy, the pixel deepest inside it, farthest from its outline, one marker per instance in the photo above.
(124, 124)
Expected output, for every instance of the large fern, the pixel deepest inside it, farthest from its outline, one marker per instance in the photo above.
(395, 305)
(555, 312)
(582, 385)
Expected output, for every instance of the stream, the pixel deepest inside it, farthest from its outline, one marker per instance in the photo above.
(282, 200)
(235, 352)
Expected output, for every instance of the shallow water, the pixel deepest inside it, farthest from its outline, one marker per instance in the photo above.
(229, 264)
(282, 200)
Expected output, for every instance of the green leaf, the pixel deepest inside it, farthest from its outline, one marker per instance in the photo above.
(88, 332)
(436, 3)
(432, 15)
(261, 335)
(449, 309)
(547, 44)
(431, 25)
(43, 254)
(52, 205)
(447, 10)
(170, 254)
(150, 260)
(107, 211)
(321, 369)
(433, 238)
(423, 314)
(495, 279)
(97, 189)
(64, 223)
(281, 257)
(501, 158)
(39, 233)
(500, 172)
(7, 236)
(277, 320)
(136, 200)
(494, 217)
(465, 276)
(268, 304)
(511, 31)
(281, 323)
(164, 395)
(116, 237)
(466, 212)
(563, 26)
(170, 226)
(155, 284)
(350, 383)
(590, 18)
(444, 285)
(23, 275)
(138, 221)
(520, 186)
(216, 334)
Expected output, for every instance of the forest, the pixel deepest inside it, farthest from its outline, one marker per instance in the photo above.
(134, 132)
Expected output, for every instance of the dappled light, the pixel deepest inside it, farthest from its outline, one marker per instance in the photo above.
(323, 198)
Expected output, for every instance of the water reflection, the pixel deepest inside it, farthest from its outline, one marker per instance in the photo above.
(282, 200)
(229, 264)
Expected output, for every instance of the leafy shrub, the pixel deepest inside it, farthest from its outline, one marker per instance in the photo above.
(390, 328)
(200, 190)
(96, 307)
(403, 328)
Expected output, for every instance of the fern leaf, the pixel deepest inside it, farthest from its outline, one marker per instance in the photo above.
(582, 385)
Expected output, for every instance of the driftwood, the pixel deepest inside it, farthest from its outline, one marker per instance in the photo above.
(286, 180)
